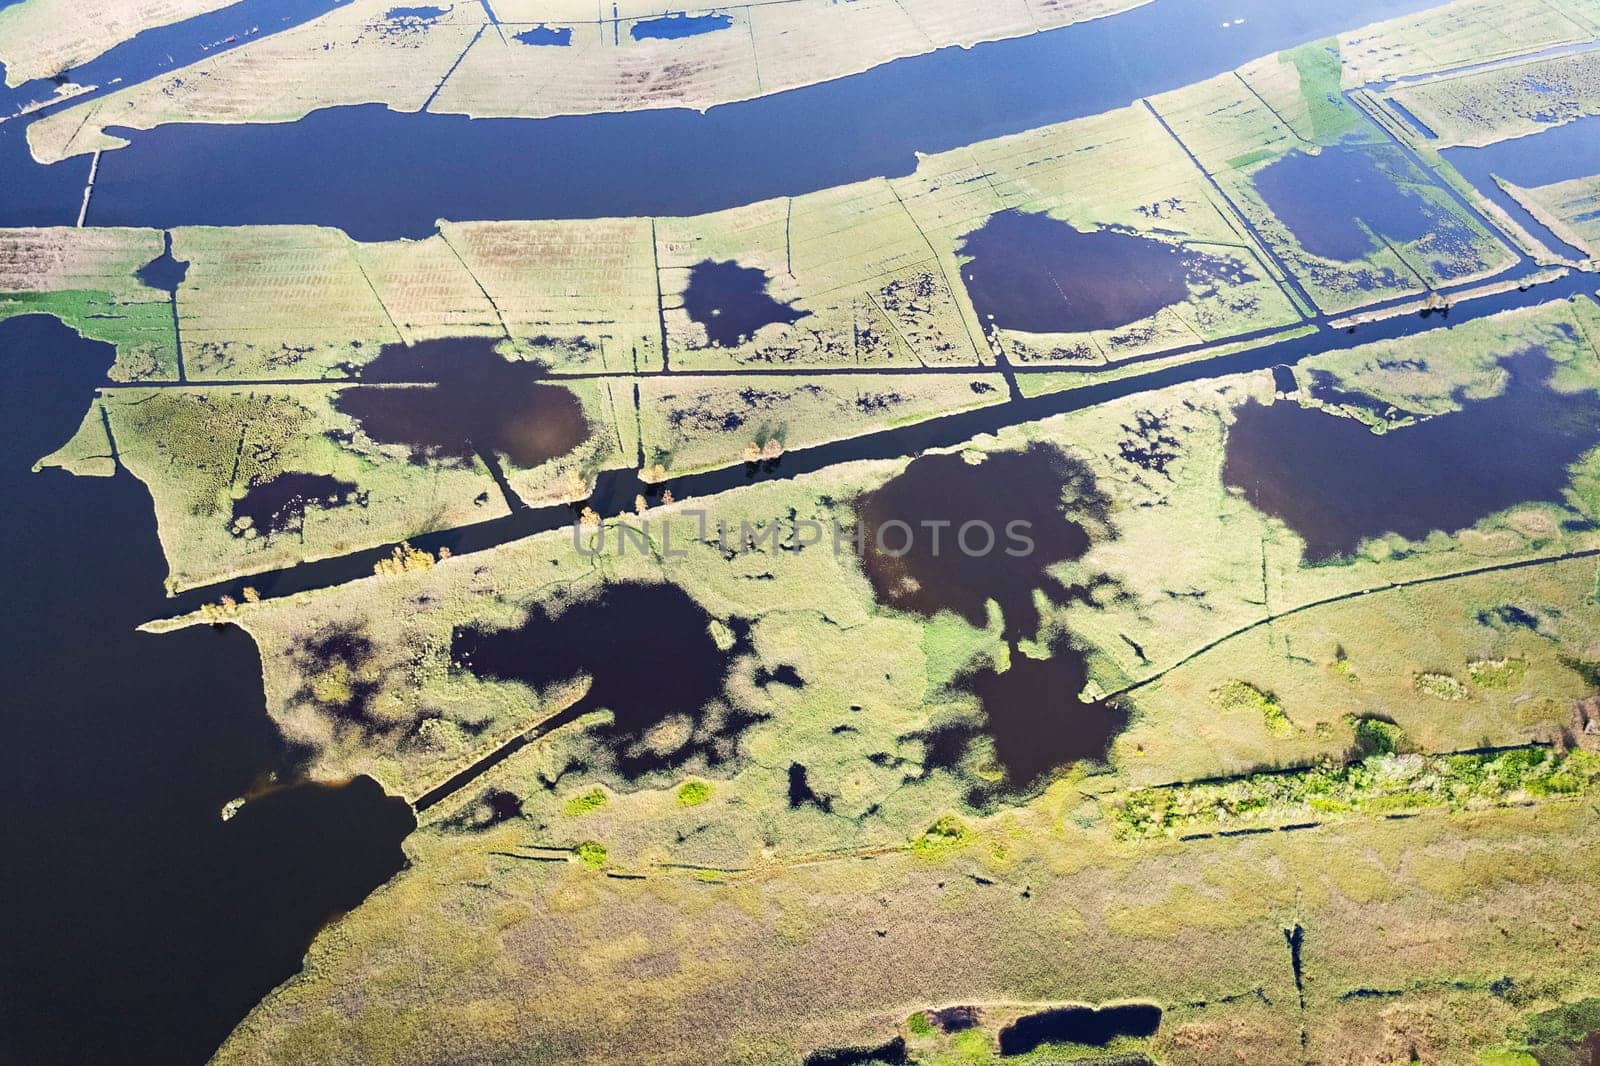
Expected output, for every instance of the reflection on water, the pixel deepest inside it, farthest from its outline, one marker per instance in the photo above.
(1336, 483)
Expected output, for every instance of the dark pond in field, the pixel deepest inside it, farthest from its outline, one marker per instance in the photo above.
(1336, 483)
(418, 167)
(422, 14)
(654, 665)
(1037, 274)
(674, 26)
(164, 272)
(1095, 1027)
(1037, 719)
(1332, 199)
(1555, 155)
(731, 302)
(549, 36)
(892, 1053)
(279, 504)
(950, 535)
(476, 404)
(137, 925)
(954, 1019)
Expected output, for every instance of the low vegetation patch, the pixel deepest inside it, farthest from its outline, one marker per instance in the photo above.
(1244, 698)
(1377, 785)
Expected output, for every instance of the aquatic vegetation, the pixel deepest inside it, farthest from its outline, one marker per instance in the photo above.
(1497, 673)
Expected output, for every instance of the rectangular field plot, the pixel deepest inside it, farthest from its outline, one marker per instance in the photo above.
(1091, 242)
(275, 302)
(571, 295)
(842, 278)
(1513, 100)
(1349, 214)
(1570, 208)
(89, 278)
(699, 423)
(1461, 34)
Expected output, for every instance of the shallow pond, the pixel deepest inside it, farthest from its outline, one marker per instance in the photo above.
(1334, 201)
(1037, 274)
(654, 665)
(279, 505)
(478, 404)
(731, 302)
(949, 535)
(1336, 483)
(1037, 719)
(1095, 1027)
(675, 26)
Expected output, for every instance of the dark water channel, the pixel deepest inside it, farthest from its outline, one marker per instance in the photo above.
(379, 174)
(137, 925)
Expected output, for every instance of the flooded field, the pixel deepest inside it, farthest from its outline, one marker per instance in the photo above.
(1036, 274)
(1558, 154)
(1340, 202)
(1336, 483)
(480, 404)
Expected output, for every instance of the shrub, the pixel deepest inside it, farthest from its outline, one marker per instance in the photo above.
(586, 803)
(693, 793)
(1241, 696)
(592, 854)
(942, 837)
